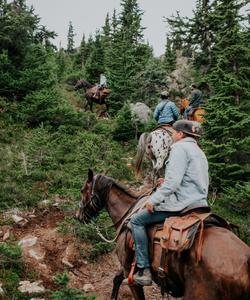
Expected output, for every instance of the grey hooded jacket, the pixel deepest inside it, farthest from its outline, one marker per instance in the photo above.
(186, 178)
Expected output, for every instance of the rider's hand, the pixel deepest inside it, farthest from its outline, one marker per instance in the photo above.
(150, 207)
(160, 181)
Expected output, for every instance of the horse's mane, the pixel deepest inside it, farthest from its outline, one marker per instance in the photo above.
(108, 181)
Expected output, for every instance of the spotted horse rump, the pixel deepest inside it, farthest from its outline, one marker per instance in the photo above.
(156, 145)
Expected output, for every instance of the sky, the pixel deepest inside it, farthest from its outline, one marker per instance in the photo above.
(87, 16)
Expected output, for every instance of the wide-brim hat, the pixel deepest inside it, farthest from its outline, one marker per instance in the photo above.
(189, 127)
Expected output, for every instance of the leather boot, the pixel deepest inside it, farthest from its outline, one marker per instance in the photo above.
(143, 277)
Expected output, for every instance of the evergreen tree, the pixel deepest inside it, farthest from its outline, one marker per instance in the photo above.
(95, 62)
(106, 38)
(202, 28)
(70, 36)
(151, 81)
(19, 31)
(170, 56)
(178, 34)
(81, 55)
(126, 56)
(228, 110)
(61, 63)
(106, 29)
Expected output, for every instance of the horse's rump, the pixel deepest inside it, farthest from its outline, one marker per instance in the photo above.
(156, 145)
(217, 242)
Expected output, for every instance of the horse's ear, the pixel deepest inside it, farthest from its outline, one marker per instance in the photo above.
(90, 175)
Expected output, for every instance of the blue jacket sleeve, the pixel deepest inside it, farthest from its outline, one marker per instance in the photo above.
(157, 113)
(175, 170)
(175, 111)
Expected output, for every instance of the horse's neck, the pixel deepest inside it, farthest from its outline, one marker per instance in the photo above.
(118, 203)
(86, 84)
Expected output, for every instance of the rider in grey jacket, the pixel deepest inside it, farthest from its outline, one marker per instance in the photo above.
(186, 184)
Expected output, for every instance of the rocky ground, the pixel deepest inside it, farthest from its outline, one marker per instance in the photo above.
(48, 252)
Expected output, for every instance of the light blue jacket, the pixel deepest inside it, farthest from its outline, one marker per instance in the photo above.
(166, 112)
(186, 178)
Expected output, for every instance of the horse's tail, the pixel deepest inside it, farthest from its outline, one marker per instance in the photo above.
(140, 151)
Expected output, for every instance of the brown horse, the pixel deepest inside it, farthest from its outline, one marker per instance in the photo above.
(198, 113)
(94, 94)
(222, 274)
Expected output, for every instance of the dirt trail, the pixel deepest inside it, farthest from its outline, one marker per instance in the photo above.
(54, 253)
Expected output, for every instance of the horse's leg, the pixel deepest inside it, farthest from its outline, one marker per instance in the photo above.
(86, 105)
(107, 105)
(117, 281)
(91, 105)
(138, 292)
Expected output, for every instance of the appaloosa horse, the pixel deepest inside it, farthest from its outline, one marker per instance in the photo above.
(222, 274)
(94, 94)
(156, 145)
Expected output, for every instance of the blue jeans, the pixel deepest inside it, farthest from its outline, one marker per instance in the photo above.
(139, 222)
(187, 111)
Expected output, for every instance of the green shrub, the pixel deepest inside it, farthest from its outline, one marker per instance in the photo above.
(66, 293)
(11, 270)
(48, 107)
(233, 205)
(72, 78)
(238, 198)
(103, 127)
(125, 128)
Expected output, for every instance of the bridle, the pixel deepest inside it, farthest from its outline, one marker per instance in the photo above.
(95, 203)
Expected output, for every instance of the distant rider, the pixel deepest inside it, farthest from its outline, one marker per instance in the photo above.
(196, 100)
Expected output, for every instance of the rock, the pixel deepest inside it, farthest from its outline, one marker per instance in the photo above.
(32, 216)
(141, 112)
(37, 299)
(19, 220)
(45, 203)
(6, 235)
(37, 253)
(88, 287)
(28, 241)
(180, 79)
(67, 263)
(31, 288)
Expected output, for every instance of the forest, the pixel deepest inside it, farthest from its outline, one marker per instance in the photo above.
(48, 140)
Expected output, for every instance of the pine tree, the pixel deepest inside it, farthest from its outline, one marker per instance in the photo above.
(126, 56)
(228, 110)
(95, 63)
(202, 29)
(70, 37)
(151, 81)
(81, 55)
(178, 33)
(170, 56)
(19, 32)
